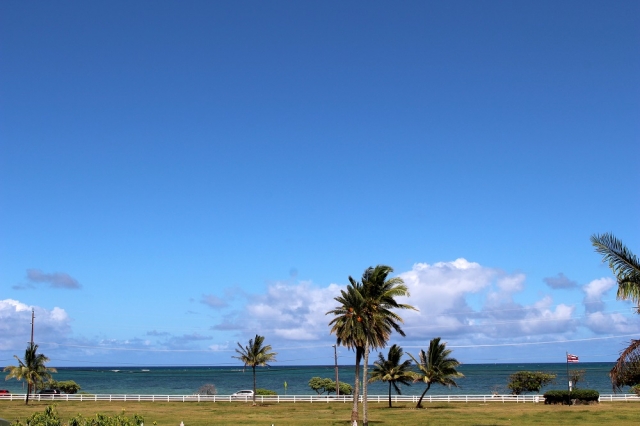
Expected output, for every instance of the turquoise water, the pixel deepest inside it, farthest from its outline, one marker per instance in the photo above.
(480, 379)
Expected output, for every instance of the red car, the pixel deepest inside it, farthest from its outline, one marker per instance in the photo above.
(4, 392)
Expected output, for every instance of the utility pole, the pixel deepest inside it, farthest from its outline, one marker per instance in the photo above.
(335, 355)
(33, 318)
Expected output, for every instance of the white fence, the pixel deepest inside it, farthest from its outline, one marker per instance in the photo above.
(303, 398)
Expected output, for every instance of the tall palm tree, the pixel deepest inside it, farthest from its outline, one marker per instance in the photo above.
(32, 369)
(364, 320)
(254, 355)
(436, 367)
(392, 370)
(349, 326)
(626, 268)
(380, 294)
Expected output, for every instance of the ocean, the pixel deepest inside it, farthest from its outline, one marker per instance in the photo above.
(480, 379)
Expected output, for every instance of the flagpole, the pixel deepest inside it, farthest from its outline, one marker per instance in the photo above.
(568, 380)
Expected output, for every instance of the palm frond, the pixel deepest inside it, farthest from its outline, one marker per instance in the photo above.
(624, 264)
(626, 371)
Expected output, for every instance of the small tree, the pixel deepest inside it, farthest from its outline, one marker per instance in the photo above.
(208, 389)
(320, 385)
(576, 376)
(345, 388)
(65, 386)
(529, 381)
(255, 354)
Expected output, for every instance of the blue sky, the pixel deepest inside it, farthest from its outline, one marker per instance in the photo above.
(176, 177)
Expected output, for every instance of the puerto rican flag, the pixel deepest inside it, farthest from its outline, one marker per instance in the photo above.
(572, 358)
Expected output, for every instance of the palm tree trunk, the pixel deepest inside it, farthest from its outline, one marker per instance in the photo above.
(422, 396)
(28, 391)
(356, 389)
(389, 393)
(365, 380)
(254, 384)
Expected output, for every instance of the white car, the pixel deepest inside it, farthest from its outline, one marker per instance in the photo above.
(243, 394)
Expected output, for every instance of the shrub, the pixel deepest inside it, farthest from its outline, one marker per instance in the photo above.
(585, 396)
(265, 392)
(557, 397)
(576, 396)
(50, 418)
(208, 389)
(636, 389)
(68, 386)
(321, 386)
(345, 388)
(529, 381)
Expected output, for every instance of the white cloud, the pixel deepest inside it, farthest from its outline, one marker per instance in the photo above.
(289, 311)
(512, 283)
(594, 292)
(15, 324)
(441, 292)
(606, 323)
(461, 301)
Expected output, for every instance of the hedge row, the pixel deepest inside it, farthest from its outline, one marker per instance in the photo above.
(576, 396)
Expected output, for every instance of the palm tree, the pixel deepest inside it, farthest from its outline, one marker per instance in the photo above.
(392, 370)
(32, 369)
(380, 294)
(364, 320)
(350, 329)
(626, 268)
(436, 367)
(253, 355)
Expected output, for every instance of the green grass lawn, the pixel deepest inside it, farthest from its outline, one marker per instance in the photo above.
(238, 413)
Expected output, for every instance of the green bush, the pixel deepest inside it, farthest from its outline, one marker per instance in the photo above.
(585, 396)
(557, 397)
(68, 386)
(265, 392)
(529, 381)
(576, 396)
(327, 385)
(50, 418)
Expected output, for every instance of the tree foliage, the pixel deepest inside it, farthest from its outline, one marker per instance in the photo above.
(623, 263)
(64, 386)
(255, 354)
(576, 396)
(576, 376)
(50, 417)
(436, 366)
(31, 369)
(626, 267)
(529, 381)
(321, 385)
(365, 319)
(207, 389)
(393, 371)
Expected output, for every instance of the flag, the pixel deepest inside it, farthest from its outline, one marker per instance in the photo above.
(572, 358)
